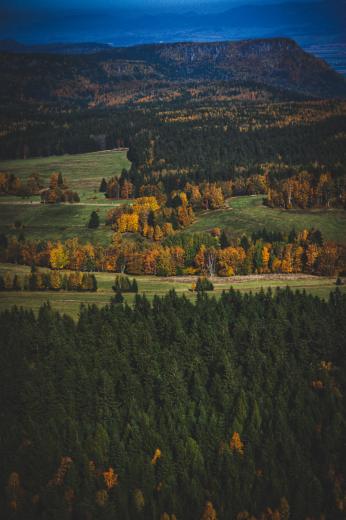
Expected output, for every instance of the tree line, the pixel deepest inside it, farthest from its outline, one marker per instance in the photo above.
(57, 191)
(306, 190)
(215, 253)
(48, 281)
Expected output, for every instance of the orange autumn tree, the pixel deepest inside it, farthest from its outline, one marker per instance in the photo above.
(236, 444)
(265, 258)
(13, 490)
(209, 512)
(110, 478)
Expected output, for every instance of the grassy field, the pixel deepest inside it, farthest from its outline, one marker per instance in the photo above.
(69, 302)
(247, 214)
(84, 173)
(54, 222)
(81, 172)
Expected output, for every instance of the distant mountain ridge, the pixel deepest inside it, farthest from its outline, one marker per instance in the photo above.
(277, 62)
(53, 48)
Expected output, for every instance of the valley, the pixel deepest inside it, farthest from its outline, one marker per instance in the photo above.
(173, 278)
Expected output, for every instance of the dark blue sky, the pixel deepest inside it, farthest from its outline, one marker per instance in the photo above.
(124, 4)
(129, 22)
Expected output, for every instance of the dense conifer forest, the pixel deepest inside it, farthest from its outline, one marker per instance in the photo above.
(226, 408)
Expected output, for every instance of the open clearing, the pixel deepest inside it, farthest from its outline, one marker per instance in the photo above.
(69, 302)
(54, 222)
(247, 214)
(81, 172)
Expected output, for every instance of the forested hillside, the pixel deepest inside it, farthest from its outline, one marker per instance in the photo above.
(176, 410)
(278, 62)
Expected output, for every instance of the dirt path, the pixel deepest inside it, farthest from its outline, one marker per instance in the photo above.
(38, 203)
(245, 278)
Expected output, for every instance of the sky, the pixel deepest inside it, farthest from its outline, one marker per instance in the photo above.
(124, 4)
(130, 22)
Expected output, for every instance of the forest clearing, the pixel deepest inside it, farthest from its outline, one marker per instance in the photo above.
(69, 303)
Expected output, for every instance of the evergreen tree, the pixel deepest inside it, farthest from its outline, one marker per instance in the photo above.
(203, 284)
(16, 286)
(103, 186)
(94, 220)
(118, 297)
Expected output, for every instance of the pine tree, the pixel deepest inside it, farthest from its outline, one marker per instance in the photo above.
(33, 278)
(16, 286)
(94, 220)
(93, 283)
(203, 284)
(103, 186)
(118, 298)
(134, 286)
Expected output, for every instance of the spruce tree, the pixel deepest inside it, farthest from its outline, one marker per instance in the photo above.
(103, 186)
(118, 297)
(94, 220)
(134, 286)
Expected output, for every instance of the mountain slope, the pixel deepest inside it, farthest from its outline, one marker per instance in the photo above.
(278, 62)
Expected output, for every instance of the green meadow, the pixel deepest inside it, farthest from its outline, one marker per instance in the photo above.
(247, 214)
(54, 222)
(69, 302)
(81, 172)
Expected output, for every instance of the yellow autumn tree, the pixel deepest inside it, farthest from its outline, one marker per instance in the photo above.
(55, 280)
(276, 265)
(157, 455)
(158, 235)
(312, 253)
(265, 258)
(58, 257)
(145, 204)
(128, 222)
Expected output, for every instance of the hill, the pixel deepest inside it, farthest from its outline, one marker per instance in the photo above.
(89, 78)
